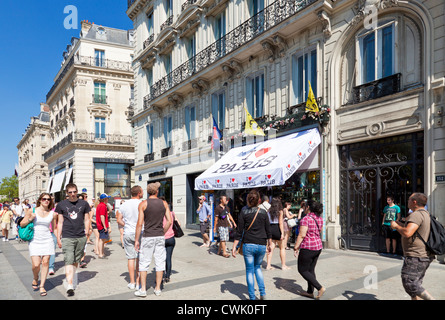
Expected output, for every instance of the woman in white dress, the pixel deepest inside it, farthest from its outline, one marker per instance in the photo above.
(41, 247)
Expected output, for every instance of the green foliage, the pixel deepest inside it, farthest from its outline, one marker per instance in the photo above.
(9, 187)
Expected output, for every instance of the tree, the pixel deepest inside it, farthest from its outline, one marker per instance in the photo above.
(9, 187)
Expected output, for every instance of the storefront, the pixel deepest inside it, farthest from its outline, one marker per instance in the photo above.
(369, 172)
(287, 167)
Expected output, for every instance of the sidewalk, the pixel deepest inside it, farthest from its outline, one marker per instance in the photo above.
(199, 274)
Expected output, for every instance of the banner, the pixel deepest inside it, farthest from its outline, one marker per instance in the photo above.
(269, 163)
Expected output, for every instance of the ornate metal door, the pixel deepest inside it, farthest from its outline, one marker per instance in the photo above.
(370, 171)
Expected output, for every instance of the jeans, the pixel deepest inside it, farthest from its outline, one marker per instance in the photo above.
(169, 246)
(52, 258)
(253, 257)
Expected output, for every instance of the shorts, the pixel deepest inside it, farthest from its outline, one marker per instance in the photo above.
(390, 233)
(413, 271)
(93, 225)
(73, 249)
(130, 251)
(6, 225)
(223, 233)
(203, 227)
(152, 247)
(275, 230)
(104, 234)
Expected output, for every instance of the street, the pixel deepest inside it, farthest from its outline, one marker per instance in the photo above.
(199, 274)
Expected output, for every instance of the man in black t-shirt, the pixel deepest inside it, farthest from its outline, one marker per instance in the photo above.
(73, 220)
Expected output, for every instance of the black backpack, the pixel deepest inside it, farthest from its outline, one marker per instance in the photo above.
(436, 240)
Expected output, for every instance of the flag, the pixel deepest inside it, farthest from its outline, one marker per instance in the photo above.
(311, 103)
(216, 136)
(16, 170)
(251, 126)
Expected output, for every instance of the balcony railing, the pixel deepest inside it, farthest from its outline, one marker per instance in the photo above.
(99, 99)
(377, 89)
(149, 157)
(263, 21)
(93, 62)
(149, 40)
(167, 23)
(84, 137)
(187, 3)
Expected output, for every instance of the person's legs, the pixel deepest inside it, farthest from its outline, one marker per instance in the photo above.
(307, 260)
(283, 244)
(269, 257)
(169, 246)
(36, 261)
(258, 259)
(249, 261)
(160, 256)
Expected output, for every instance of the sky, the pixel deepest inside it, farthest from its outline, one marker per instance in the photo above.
(32, 41)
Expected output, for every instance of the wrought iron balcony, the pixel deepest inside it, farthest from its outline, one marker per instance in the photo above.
(377, 89)
(149, 40)
(149, 157)
(99, 99)
(187, 3)
(263, 21)
(85, 137)
(167, 23)
(166, 152)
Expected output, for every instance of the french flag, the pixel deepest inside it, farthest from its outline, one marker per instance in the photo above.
(216, 136)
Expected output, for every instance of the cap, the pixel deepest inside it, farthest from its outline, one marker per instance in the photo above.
(202, 197)
(103, 196)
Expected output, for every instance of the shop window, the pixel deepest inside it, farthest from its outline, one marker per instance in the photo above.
(113, 179)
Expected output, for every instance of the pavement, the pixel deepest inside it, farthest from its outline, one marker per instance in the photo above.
(200, 274)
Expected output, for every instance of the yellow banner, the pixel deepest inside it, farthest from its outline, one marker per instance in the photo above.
(311, 103)
(252, 127)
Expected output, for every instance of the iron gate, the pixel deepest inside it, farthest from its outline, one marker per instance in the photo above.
(369, 172)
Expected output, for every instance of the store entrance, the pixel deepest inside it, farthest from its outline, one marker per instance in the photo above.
(370, 171)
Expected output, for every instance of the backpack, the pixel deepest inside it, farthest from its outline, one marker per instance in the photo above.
(436, 239)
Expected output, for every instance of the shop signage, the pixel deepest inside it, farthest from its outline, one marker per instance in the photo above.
(440, 178)
(269, 163)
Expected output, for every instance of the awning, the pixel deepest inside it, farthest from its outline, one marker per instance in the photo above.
(269, 163)
(68, 177)
(58, 181)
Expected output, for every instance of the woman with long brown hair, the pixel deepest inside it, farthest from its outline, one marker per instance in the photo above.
(41, 247)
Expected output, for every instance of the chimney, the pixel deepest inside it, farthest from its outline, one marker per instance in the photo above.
(86, 26)
(44, 107)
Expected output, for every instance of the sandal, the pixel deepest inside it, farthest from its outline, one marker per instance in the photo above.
(35, 286)
(43, 293)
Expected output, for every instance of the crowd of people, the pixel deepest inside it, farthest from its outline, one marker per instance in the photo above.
(147, 234)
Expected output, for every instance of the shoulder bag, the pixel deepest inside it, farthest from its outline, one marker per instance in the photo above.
(27, 233)
(177, 228)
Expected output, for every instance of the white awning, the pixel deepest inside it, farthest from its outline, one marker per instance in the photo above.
(48, 187)
(269, 163)
(68, 177)
(58, 181)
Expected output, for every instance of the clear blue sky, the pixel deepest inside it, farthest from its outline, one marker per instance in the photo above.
(33, 38)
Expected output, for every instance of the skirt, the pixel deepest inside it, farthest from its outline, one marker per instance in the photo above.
(276, 233)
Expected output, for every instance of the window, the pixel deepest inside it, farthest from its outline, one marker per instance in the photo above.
(255, 95)
(169, 8)
(168, 68)
(304, 69)
(99, 58)
(219, 30)
(168, 126)
(149, 129)
(150, 23)
(190, 122)
(99, 127)
(219, 109)
(113, 179)
(376, 53)
(191, 52)
(256, 8)
(99, 93)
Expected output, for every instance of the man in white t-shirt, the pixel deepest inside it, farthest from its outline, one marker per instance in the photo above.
(127, 217)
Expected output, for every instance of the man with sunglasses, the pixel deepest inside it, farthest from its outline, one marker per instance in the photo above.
(73, 222)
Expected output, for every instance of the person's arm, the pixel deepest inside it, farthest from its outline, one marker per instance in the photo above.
(102, 220)
(141, 208)
(281, 224)
(29, 217)
(407, 231)
(168, 217)
(119, 218)
(59, 230)
(233, 221)
(301, 236)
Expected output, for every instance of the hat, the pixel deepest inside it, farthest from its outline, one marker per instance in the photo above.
(202, 197)
(103, 196)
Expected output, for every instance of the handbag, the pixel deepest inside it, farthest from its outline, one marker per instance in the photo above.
(177, 228)
(27, 233)
(292, 222)
(239, 247)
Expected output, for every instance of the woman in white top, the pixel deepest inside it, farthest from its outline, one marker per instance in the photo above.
(41, 247)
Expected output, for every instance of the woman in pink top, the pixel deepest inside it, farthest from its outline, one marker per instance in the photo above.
(308, 247)
(170, 243)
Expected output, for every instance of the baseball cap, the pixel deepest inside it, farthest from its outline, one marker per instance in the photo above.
(103, 196)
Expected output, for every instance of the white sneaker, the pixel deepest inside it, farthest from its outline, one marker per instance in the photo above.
(131, 286)
(140, 293)
(157, 292)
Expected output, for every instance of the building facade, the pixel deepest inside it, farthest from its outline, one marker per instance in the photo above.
(91, 138)
(375, 67)
(33, 170)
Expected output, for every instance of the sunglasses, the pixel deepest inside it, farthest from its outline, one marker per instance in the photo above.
(46, 199)
(72, 191)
